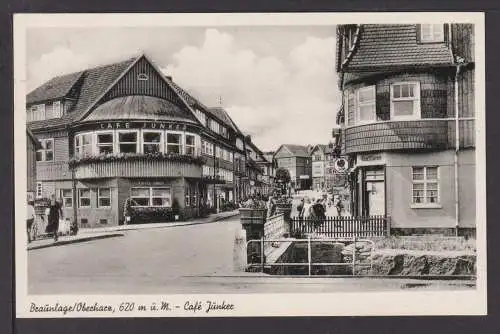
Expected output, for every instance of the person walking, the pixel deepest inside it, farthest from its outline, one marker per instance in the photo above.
(340, 206)
(30, 218)
(55, 214)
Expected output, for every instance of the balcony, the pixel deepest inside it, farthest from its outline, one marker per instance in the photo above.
(401, 135)
(138, 166)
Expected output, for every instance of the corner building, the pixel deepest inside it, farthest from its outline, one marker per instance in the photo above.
(408, 124)
(122, 131)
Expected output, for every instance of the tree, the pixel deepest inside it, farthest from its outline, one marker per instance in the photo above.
(282, 175)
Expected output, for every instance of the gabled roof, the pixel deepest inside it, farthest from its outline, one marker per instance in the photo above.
(320, 147)
(295, 150)
(53, 89)
(386, 45)
(223, 115)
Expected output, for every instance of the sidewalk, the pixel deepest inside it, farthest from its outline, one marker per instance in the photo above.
(87, 234)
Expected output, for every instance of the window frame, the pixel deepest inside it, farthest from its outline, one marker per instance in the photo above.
(137, 141)
(425, 182)
(64, 198)
(169, 197)
(433, 27)
(181, 141)
(148, 197)
(161, 143)
(97, 145)
(416, 101)
(99, 197)
(39, 190)
(186, 146)
(80, 198)
(44, 150)
(79, 148)
(362, 104)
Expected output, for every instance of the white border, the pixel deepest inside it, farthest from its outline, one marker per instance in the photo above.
(366, 303)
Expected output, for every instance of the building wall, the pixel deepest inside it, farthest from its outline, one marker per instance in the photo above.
(31, 165)
(399, 190)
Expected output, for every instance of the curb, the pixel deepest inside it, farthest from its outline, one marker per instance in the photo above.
(74, 241)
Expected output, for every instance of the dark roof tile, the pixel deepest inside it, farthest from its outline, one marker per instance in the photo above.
(55, 88)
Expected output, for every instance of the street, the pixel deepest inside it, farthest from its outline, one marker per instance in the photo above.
(183, 259)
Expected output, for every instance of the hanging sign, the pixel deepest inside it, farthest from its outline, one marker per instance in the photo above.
(341, 165)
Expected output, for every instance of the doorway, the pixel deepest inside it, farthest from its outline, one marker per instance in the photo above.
(374, 192)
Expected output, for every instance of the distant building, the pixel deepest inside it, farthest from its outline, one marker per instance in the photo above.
(297, 160)
(408, 123)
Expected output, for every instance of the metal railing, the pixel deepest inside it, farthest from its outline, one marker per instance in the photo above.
(342, 226)
(353, 264)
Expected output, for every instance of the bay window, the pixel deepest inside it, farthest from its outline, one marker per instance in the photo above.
(150, 196)
(366, 111)
(174, 143)
(431, 33)
(405, 100)
(105, 143)
(127, 142)
(151, 142)
(83, 145)
(46, 152)
(190, 145)
(425, 181)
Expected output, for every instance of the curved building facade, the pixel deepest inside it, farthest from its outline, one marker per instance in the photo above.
(408, 123)
(124, 132)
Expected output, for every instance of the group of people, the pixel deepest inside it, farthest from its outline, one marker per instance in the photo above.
(53, 212)
(316, 209)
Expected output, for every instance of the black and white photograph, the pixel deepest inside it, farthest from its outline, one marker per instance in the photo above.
(250, 164)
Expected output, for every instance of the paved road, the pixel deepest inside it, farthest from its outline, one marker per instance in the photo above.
(183, 259)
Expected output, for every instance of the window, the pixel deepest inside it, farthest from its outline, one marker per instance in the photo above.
(39, 190)
(67, 198)
(366, 104)
(103, 197)
(318, 157)
(142, 77)
(431, 33)
(174, 143)
(127, 142)
(84, 198)
(188, 195)
(405, 100)
(38, 112)
(190, 145)
(55, 111)
(425, 185)
(151, 142)
(141, 196)
(46, 152)
(105, 143)
(161, 197)
(83, 145)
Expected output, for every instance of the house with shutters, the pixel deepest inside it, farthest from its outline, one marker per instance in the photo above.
(124, 131)
(408, 123)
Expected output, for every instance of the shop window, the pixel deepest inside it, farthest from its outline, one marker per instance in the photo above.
(405, 100)
(46, 152)
(84, 221)
(425, 185)
(174, 143)
(67, 198)
(190, 145)
(105, 143)
(84, 198)
(161, 197)
(83, 145)
(151, 142)
(140, 196)
(366, 105)
(431, 33)
(39, 190)
(127, 142)
(104, 197)
(103, 221)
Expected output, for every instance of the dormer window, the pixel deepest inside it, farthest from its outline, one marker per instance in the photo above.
(142, 77)
(431, 33)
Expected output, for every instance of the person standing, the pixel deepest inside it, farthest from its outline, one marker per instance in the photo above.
(30, 218)
(55, 213)
(340, 206)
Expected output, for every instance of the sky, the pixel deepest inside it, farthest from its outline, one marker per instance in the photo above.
(277, 83)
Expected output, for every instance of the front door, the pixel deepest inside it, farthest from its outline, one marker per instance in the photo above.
(376, 198)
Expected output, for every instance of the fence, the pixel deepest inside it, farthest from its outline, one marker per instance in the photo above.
(342, 227)
(353, 262)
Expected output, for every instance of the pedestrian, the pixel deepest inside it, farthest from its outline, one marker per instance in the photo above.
(340, 206)
(271, 206)
(300, 206)
(30, 218)
(306, 210)
(55, 213)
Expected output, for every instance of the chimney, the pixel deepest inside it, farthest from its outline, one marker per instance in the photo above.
(169, 77)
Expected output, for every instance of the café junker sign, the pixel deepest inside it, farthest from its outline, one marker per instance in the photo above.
(150, 125)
